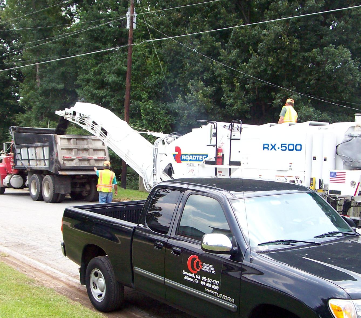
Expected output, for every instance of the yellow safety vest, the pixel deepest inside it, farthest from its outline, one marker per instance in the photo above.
(291, 115)
(105, 181)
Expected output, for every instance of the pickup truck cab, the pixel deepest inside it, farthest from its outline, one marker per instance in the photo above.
(220, 248)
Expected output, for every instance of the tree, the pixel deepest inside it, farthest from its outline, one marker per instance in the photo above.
(9, 79)
(208, 60)
(47, 86)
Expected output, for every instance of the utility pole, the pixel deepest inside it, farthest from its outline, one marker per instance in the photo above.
(123, 183)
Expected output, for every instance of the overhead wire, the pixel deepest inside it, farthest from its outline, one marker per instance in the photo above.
(207, 31)
(64, 58)
(232, 27)
(249, 75)
(196, 51)
(161, 66)
(180, 7)
(149, 12)
(41, 10)
(256, 23)
(62, 36)
(89, 53)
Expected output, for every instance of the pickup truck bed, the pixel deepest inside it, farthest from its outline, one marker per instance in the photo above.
(129, 211)
(220, 248)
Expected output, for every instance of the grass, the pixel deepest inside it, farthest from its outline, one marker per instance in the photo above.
(22, 297)
(129, 195)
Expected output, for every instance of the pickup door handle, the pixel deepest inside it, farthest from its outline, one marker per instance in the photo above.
(176, 250)
(158, 245)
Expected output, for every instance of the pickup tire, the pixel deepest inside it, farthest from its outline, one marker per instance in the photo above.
(36, 186)
(104, 292)
(2, 190)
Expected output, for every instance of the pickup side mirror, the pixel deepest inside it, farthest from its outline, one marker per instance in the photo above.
(217, 243)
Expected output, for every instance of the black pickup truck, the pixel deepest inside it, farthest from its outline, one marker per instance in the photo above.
(220, 248)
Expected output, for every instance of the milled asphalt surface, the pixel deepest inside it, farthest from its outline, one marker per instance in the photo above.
(30, 236)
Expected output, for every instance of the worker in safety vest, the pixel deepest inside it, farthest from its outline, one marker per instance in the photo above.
(288, 113)
(106, 182)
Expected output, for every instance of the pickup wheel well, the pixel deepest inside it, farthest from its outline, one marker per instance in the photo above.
(89, 252)
(269, 311)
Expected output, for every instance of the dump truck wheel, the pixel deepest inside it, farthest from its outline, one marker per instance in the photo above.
(49, 194)
(35, 187)
(90, 192)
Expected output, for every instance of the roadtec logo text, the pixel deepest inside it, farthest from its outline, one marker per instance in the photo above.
(179, 157)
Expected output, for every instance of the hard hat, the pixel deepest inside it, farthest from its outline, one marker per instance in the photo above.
(106, 163)
(290, 100)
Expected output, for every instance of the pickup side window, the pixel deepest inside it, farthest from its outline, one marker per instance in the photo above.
(202, 215)
(161, 210)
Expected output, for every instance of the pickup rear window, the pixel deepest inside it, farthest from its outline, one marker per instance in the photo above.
(161, 210)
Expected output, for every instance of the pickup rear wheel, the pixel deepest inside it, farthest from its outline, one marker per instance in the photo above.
(35, 187)
(104, 292)
(2, 190)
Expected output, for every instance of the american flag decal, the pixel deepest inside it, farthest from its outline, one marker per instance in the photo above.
(337, 177)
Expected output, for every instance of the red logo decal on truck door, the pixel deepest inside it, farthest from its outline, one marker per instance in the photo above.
(194, 264)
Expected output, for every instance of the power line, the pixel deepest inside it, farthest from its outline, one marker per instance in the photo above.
(34, 28)
(251, 76)
(64, 58)
(141, 13)
(160, 64)
(60, 36)
(191, 34)
(34, 12)
(194, 50)
(52, 26)
(180, 7)
(255, 23)
(65, 35)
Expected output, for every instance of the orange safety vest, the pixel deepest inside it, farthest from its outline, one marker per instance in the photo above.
(105, 181)
(291, 115)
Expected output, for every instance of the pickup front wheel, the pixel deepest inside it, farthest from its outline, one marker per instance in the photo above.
(104, 292)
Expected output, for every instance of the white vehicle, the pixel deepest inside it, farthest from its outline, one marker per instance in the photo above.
(325, 157)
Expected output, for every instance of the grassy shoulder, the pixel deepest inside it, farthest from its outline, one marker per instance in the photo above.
(22, 297)
(129, 195)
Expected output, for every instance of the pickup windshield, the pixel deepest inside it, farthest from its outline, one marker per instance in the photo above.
(288, 219)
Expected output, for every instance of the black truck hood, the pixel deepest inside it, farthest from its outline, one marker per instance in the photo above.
(338, 261)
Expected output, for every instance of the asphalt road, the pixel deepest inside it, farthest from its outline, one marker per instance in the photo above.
(30, 237)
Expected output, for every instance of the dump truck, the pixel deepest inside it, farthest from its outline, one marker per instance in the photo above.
(51, 165)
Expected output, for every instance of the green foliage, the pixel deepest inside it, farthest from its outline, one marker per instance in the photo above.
(46, 86)
(9, 79)
(261, 53)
